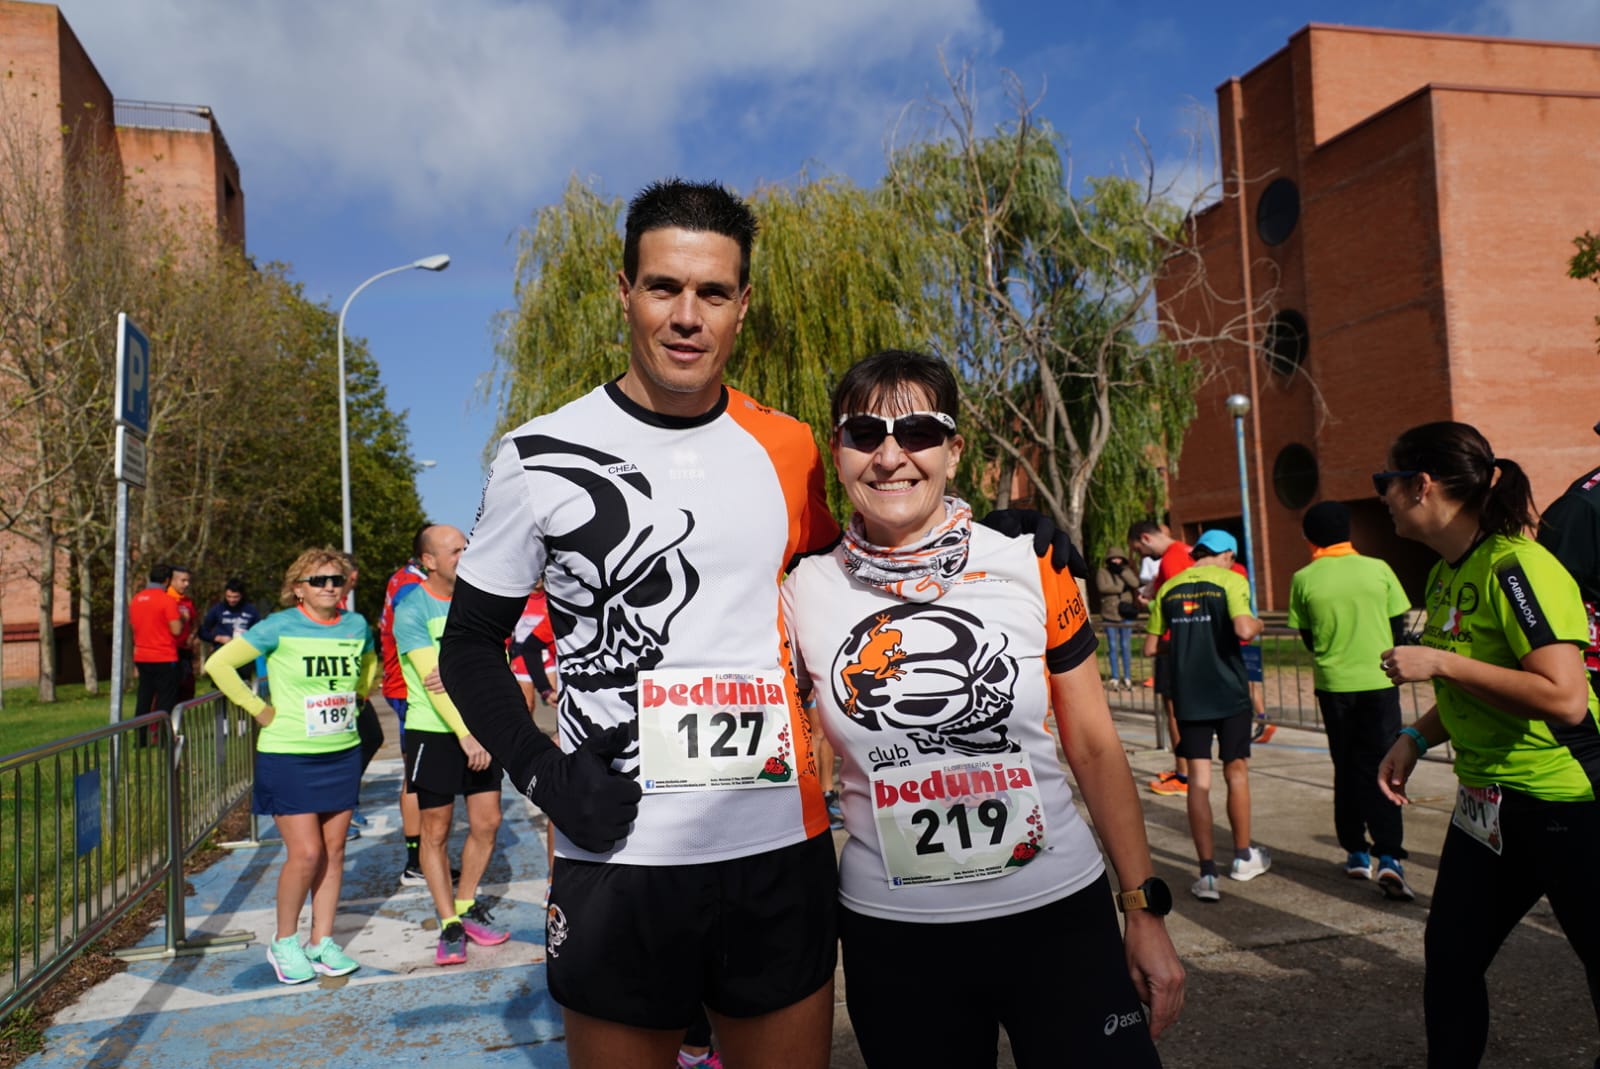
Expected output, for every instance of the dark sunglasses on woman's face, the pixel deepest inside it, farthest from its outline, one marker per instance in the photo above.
(1382, 479)
(320, 581)
(912, 431)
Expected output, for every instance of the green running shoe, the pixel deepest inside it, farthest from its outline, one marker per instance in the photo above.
(289, 961)
(329, 960)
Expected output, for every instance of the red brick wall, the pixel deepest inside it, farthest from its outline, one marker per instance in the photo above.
(1428, 262)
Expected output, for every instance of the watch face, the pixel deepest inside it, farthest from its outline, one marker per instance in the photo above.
(1158, 895)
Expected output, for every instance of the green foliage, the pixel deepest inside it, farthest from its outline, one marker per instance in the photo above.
(1585, 263)
(566, 334)
(973, 247)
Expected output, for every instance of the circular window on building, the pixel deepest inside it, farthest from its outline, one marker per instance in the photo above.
(1294, 476)
(1277, 212)
(1287, 341)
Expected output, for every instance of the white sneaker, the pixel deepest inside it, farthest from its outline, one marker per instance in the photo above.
(1205, 889)
(1258, 862)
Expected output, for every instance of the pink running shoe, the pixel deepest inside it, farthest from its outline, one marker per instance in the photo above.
(452, 945)
(481, 928)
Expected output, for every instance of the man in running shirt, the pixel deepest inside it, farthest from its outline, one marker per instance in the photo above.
(401, 584)
(443, 760)
(662, 509)
(1570, 530)
(1154, 542)
(1206, 608)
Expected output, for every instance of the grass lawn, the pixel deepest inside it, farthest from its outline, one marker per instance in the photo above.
(25, 722)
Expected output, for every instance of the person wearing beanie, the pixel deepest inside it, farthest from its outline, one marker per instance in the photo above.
(1349, 609)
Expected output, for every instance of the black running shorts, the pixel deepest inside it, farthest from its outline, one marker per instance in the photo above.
(647, 945)
(1232, 734)
(437, 768)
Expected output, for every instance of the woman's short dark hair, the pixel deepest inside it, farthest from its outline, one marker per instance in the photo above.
(1460, 460)
(896, 374)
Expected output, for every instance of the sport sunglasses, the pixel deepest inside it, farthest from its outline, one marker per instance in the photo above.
(1382, 479)
(912, 432)
(320, 581)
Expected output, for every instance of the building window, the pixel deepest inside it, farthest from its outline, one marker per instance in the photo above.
(1294, 476)
(1277, 212)
(1287, 342)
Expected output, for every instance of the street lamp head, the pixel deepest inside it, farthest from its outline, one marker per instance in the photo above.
(433, 263)
(1238, 405)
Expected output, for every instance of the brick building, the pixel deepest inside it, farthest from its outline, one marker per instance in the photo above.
(1401, 208)
(54, 102)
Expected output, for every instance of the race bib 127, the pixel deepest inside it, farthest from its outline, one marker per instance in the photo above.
(714, 730)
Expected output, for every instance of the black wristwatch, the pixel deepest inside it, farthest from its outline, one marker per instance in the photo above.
(1152, 895)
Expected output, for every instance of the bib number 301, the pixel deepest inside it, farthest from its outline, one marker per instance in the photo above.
(968, 819)
(714, 730)
(1478, 814)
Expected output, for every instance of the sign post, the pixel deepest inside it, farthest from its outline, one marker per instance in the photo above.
(132, 419)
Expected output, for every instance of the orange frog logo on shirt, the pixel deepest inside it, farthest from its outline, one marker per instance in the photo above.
(878, 659)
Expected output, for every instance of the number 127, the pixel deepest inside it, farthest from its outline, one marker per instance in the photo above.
(729, 725)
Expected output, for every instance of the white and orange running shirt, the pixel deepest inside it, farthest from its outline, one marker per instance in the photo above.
(956, 803)
(662, 542)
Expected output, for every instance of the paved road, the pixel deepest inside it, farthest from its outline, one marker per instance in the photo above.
(1301, 967)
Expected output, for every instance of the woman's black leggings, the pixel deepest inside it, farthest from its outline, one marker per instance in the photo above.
(1551, 849)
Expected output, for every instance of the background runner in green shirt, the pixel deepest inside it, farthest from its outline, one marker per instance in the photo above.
(1349, 609)
(1503, 646)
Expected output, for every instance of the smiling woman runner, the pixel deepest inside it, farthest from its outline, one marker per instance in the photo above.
(320, 664)
(935, 650)
(1503, 644)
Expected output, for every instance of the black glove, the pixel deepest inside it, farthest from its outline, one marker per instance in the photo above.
(592, 805)
(1047, 538)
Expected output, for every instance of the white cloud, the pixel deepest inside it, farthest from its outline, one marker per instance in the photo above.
(474, 105)
(1543, 20)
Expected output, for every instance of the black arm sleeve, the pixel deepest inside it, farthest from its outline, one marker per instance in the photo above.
(1305, 636)
(475, 673)
(532, 654)
(1399, 631)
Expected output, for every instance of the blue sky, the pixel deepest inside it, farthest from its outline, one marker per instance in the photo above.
(373, 132)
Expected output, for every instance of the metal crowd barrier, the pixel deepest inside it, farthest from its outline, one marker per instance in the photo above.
(94, 822)
(1287, 682)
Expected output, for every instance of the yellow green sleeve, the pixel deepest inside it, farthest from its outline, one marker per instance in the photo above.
(223, 668)
(369, 673)
(426, 659)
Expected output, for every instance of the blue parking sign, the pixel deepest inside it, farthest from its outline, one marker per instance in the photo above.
(133, 376)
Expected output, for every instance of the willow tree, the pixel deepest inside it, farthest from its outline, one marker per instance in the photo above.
(1047, 308)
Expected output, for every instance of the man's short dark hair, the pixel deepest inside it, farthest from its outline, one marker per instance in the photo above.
(161, 573)
(235, 584)
(703, 206)
(1142, 528)
(184, 568)
(417, 541)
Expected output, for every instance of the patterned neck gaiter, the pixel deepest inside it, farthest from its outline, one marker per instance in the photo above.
(921, 571)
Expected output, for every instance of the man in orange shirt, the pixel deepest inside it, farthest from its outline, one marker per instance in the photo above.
(157, 624)
(188, 642)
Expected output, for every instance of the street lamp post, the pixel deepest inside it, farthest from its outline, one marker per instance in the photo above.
(1239, 407)
(427, 263)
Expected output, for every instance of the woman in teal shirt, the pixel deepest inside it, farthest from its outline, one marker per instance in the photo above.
(320, 664)
(1502, 643)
